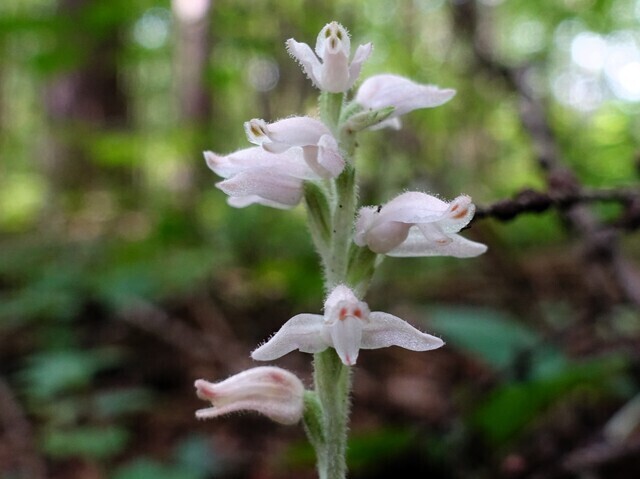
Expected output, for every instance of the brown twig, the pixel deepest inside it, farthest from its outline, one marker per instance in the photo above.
(533, 201)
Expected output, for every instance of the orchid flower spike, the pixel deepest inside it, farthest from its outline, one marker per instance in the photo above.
(273, 392)
(330, 70)
(382, 91)
(348, 326)
(254, 175)
(319, 147)
(417, 224)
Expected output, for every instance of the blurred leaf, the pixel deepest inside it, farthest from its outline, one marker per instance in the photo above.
(495, 338)
(112, 404)
(367, 450)
(194, 453)
(511, 408)
(50, 373)
(88, 441)
(150, 469)
(151, 272)
(364, 450)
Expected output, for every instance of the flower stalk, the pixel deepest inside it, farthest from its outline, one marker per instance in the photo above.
(332, 379)
(303, 159)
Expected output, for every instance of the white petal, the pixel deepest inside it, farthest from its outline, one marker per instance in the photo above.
(333, 39)
(305, 56)
(272, 391)
(256, 131)
(458, 215)
(239, 160)
(364, 222)
(297, 131)
(329, 157)
(385, 236)
(303, 332)
(244, 201)
(413, 207)
(290, 163)
(340, 294)
(262, 182)
(346, 335)
(417, 244)
(287, 412)
(361, 55)
(333, 46)
(380, 91)
(335, 73)
(383, 330)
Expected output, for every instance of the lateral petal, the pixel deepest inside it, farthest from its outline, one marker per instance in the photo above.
(302, 53)
(384, 330)
(405, 95)
(303, 332)
(360, 56)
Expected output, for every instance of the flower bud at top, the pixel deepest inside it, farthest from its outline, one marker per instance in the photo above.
(329, 67)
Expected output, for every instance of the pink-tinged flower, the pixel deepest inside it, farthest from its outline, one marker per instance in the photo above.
(273, 392)
(348, 326)
(319, 147)
(254, 175)
(417, 224)
(330, 70)
(382, 91)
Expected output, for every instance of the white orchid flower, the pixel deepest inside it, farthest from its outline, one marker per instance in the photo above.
(382, 91)
(254, 175)
(330, 70)
(347, 326)
(418, 224)
(319, 147)
(271, 391)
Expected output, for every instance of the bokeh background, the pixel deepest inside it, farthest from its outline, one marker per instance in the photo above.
(124, 276)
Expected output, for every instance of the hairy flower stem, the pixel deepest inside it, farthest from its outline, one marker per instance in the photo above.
(342, 228)
(333, 384)
(330, 109)
(332, 378)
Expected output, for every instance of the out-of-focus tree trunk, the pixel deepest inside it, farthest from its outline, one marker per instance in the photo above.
(192, 56)
(81, 101)
(195, 106)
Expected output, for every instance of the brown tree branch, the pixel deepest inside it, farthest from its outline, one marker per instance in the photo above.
(533, 201)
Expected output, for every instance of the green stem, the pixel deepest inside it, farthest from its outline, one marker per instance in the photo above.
(330, 108)
(327, 411)
(342, 228)
(333, 384)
